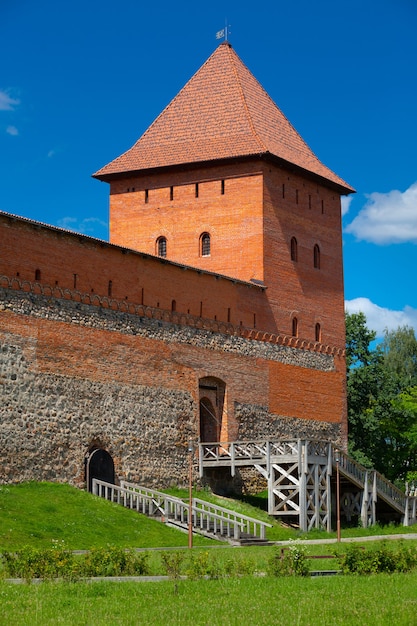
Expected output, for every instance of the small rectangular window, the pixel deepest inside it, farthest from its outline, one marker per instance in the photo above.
(171, 193)
(296, 196)
(222, 188)
(196, 190)
(309, 201)
(146, 196)
(283, 190)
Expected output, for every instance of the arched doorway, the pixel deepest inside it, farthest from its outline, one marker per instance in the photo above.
(212, 406)
(99, 465)
(209, 424)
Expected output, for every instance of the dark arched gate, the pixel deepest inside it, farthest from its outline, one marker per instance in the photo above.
(100, 465)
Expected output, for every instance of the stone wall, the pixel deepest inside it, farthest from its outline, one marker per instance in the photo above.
(74, 376)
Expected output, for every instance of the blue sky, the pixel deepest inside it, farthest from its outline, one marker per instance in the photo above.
(80, 81)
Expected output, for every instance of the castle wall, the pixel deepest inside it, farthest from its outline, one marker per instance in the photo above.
(74, 375)
(182, 204)
(298, 207)
(33, 252)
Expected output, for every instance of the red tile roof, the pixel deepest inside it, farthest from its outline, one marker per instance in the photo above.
(221, 113)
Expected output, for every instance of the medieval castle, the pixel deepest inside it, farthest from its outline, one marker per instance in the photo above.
(214, 313)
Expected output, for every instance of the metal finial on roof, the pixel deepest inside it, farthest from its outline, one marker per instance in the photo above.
(224, 32)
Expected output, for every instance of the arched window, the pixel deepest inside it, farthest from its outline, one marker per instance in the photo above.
(205, 244)
(161, 246)
(294, 327)
(318, 332)
(294, 249)
(316, 255)
(37, 274)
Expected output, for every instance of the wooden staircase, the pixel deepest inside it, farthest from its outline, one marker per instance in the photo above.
(207, 519)
(301, 476)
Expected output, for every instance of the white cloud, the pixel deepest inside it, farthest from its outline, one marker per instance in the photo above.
(92, 226)
(387, 218)
(346, 200)
(12, 130)
(379, 318)
(7, 103)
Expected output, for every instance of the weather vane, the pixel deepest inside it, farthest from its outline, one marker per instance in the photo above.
(224, 32)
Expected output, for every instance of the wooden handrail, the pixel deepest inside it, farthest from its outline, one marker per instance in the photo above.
(205, 515)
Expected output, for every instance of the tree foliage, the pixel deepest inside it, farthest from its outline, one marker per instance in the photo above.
(382, 398)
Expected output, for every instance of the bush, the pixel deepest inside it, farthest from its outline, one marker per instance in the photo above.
(356, 560)
(290, 562)
(114, 561)
(57, 562)
(201, 565)
(29, 563)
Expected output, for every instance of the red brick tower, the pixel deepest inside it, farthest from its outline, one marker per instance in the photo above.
(222, 181)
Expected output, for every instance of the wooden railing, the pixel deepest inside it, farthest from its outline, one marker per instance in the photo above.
(206, 518)
(350, 468)
(262, 453)
(383, 487)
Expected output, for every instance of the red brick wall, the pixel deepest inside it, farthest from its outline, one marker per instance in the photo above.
(307, 394)
(233, 218)
(26, 247)
(300, 208)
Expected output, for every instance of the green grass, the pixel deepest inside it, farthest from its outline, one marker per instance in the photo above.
(383, 600)
(39, 514)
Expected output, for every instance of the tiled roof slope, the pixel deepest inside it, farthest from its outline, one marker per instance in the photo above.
(221, 113)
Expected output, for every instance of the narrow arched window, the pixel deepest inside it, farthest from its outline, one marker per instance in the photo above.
(316, 257)
(161, 246)
(173, 305)
(37, 274)
(318, 332)
(294, 327)
(294, 249)
(205, 247)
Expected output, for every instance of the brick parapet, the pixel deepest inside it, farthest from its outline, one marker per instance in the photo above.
(167, 326)
(172, 317)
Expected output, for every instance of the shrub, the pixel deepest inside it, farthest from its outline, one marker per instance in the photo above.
(172, 561)
(356, 560)
(114, 561)
(290, 562)
(29, 563)
(58, 562)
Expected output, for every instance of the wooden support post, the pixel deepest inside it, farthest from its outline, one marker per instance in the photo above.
(374, 499)
(302, 470)
(365, 502)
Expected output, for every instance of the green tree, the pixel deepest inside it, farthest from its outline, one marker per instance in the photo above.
(382, 398)
(400, 355)
(358, 340)
(364, 376)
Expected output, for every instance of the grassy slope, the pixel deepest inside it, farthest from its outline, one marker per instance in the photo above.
(38, 514)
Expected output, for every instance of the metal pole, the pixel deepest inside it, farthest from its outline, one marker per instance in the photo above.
(338, 498)
(190, 496)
